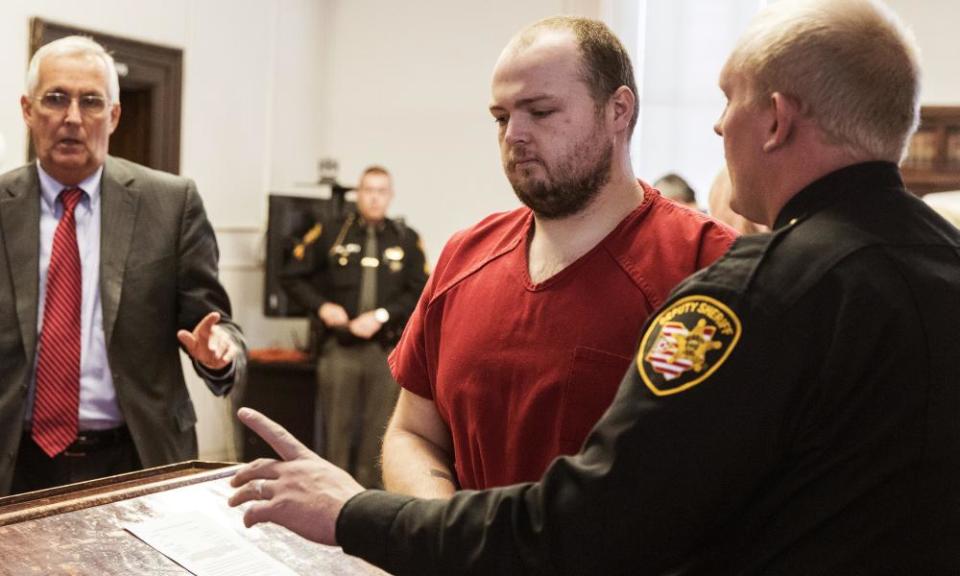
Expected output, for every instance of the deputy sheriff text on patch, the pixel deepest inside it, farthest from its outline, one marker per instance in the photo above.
(686, 343)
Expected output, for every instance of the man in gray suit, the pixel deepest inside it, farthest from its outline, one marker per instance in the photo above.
(106, 269)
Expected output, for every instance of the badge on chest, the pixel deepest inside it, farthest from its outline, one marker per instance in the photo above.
(342, 252)
(394, 257)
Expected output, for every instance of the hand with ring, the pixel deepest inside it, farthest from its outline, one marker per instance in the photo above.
(306, 493)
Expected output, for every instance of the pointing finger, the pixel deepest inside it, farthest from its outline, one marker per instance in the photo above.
(288, 447)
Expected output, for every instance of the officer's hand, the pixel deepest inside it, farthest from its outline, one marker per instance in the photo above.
(209, 344)
(303, 492)
(333, 315)
(365, 326)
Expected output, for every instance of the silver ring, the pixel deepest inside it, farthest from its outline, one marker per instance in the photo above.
(258, 484)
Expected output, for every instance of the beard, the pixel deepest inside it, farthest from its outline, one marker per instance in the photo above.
(570, 185)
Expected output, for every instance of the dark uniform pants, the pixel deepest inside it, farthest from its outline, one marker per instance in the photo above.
(356, 395)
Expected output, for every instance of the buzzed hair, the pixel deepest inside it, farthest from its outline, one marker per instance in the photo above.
(375, 169)
(605, 63)
(851, 63)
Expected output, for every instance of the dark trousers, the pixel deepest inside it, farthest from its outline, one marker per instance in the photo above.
(356, 395)
(94, 454)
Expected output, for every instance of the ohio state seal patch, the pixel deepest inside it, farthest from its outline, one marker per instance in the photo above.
(686, 343)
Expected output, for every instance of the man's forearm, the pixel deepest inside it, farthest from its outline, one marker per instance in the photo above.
(415, 466)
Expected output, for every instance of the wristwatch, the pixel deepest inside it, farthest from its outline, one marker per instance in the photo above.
(381, 315)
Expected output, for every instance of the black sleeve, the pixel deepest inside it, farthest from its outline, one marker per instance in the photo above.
(200, 291)
(669, 463)
(303, 277)
(414, 279)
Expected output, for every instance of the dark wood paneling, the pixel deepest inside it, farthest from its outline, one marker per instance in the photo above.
(933, 161)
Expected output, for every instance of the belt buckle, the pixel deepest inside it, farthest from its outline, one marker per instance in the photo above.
(83, 443)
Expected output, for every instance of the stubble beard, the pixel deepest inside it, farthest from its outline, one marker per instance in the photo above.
(571, 184)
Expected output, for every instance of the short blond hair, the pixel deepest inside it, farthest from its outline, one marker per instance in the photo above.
(376, 170)
(852, 64)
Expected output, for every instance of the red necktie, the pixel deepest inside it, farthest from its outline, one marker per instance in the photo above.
(58, 364)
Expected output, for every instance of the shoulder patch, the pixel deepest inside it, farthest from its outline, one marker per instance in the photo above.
(686, 343)
(300, 250)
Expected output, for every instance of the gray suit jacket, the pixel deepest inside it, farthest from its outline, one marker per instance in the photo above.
(158, 273)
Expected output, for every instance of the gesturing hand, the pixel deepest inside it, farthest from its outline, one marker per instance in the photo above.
(209, 344)
(302, 492)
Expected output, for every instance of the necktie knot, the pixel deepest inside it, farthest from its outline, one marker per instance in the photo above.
(70, 197)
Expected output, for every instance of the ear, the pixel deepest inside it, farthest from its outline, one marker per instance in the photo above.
(785, 112)
(622, 103)
(26, 106)
(114, 117)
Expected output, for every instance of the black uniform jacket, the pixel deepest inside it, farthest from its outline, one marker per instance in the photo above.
(793, 410)
(326, 267)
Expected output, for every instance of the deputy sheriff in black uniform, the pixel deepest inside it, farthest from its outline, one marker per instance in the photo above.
(363, 275)
(793, 410)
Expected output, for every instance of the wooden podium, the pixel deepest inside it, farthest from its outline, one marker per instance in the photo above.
(78, 529)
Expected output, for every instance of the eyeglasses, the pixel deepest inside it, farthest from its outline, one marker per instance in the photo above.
(89, 104)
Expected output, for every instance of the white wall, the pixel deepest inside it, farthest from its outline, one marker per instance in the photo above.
(682, 46)
(934, 23)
